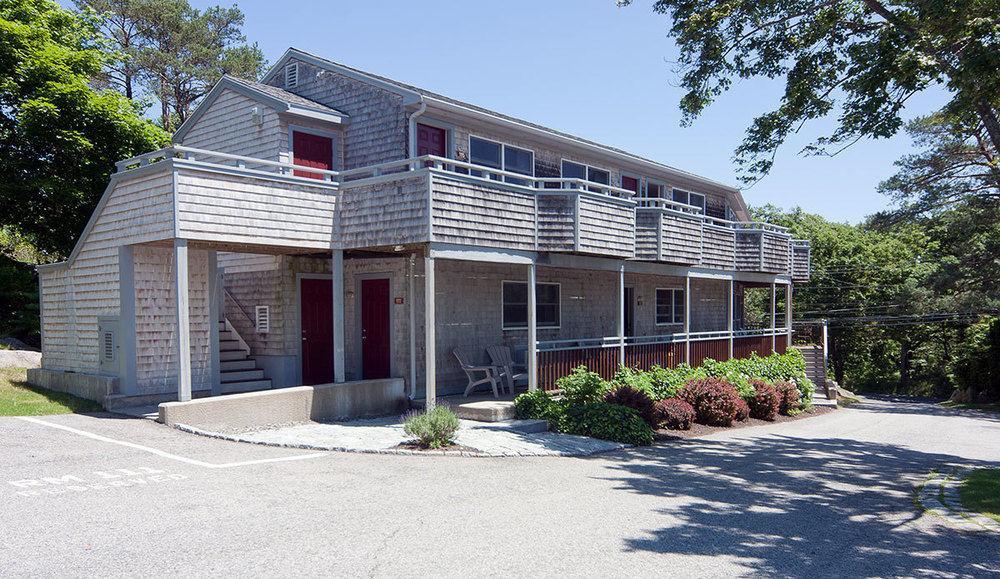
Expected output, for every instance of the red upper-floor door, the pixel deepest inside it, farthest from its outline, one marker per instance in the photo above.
(311, 150)
(431, 141)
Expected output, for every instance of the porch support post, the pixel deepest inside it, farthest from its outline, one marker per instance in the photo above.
(215, 364)
(788, 313)
(127, 339)
(532, 329)
(430, 339)
(621, 314)
(687, 318)
(338, 315)
(774, 314)
(412, 297)
(182, 306)
(729, 321)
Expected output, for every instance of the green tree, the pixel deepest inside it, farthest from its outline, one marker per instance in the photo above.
(121, 23)
(859, 59)
(59, 137)
(189, 50)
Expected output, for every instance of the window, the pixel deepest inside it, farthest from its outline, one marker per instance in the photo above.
(499, 156)
(515, 305)
(696, 199)
(571, 170)
(630, 183)
(669, 306)
(655, 190)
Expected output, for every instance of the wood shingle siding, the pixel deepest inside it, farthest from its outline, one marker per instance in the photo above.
(471, 213)
(556, 222)
(137, 209)
(607, 227)
(388, 212)
(226, 127)
(378, 126)
(800, 266)
(680, 237)
(647, 235)
(237, 209)
(718, 247)
(775, 252)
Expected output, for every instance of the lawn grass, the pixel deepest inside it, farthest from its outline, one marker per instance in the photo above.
(980, 492)
(971, 406)
(18, 398)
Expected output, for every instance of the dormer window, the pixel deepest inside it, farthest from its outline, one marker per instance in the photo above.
(292, 75)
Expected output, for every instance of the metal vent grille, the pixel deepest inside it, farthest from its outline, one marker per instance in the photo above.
(262, 315)
(107, 346)
(291, 75)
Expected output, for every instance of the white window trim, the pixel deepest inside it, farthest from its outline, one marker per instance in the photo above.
(503, 155)
(334, 136)
(663, 187)
(449, 133)
(673, 313)
(525, 327)
(704, 198)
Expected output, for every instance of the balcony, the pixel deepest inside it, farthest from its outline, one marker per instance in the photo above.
(432, 199)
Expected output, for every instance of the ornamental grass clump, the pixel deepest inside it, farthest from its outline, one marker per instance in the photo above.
(636, 399)
(433, 429)
(715, 401)
(766, 401)
(789, 395)
(675, 414)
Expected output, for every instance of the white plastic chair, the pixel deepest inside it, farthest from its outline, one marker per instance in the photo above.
(502, 357)
(491, 374)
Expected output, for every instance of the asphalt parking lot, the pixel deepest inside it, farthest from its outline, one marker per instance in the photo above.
(828, 496)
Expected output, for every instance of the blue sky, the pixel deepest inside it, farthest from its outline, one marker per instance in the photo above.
(582, 66)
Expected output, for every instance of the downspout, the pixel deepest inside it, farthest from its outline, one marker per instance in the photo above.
(413, 126)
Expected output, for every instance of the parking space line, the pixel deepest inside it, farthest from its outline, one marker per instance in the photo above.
(168, 455)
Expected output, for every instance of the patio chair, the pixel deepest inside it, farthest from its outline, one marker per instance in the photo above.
(490, 374)
(502, 357)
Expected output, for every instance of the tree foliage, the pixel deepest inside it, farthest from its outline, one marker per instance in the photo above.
(859, 59)
(59, 137)
(173, 51)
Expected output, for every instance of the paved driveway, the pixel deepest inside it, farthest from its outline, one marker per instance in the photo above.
(827, 496)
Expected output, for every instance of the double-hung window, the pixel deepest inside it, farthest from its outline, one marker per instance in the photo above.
(688, 198)
(499, 156)
(669, 306)
(571, 170)
(515, 305)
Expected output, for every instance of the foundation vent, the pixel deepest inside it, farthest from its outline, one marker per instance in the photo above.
(262, 315)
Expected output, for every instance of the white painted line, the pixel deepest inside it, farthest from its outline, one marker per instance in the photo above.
(167, 455)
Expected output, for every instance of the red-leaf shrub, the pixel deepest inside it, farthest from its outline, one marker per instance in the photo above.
(789, 394)
(742, 410)
(675, 414)
(715, 401)
(766, 401)
(638, 400)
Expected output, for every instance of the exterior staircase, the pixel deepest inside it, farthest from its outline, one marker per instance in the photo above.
(815, 366)
(239, 369)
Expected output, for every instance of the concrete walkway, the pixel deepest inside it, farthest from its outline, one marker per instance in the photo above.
(385, 435)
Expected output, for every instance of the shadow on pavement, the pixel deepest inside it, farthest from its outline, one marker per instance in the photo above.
(797, 506)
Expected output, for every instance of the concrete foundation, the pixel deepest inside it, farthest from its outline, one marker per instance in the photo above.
(243, 412)
(94, 387)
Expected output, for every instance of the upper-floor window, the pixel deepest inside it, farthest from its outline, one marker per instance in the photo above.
(688, 198)
(631, 183)
(655, 190)
(669, 306)
(571, 170)
(500, 156)
(515, 305)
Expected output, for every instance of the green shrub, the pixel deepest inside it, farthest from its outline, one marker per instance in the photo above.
(675, 414)
(433, 429)
(715, 401)
(536, 404)
(636, 399)
(582, 386)
(636, 379)
(667, 382)
(607, 422)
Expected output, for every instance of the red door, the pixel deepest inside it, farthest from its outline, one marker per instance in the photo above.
(374, 328)
(630, 183)
(431, 141)
(312, 151)
(317, 331)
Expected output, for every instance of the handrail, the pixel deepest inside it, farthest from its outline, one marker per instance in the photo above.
(800, 243)
(189, 153)
(239, 306)
(661, 203)
(614, 341)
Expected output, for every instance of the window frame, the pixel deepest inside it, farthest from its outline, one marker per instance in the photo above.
(640, 182)
(704, 198)
(587, 168)
(503, 325)
(673, 309)
(503, 160)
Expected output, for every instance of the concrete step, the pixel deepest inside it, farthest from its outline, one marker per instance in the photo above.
(245, 386)
(242, 375)
(241, 364)
(225, 336)
(523, 426)
(226, 345)
(485, 410)
(229, 355)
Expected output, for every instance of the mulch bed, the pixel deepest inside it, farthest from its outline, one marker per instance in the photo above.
(698, 430)
(450, 448)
